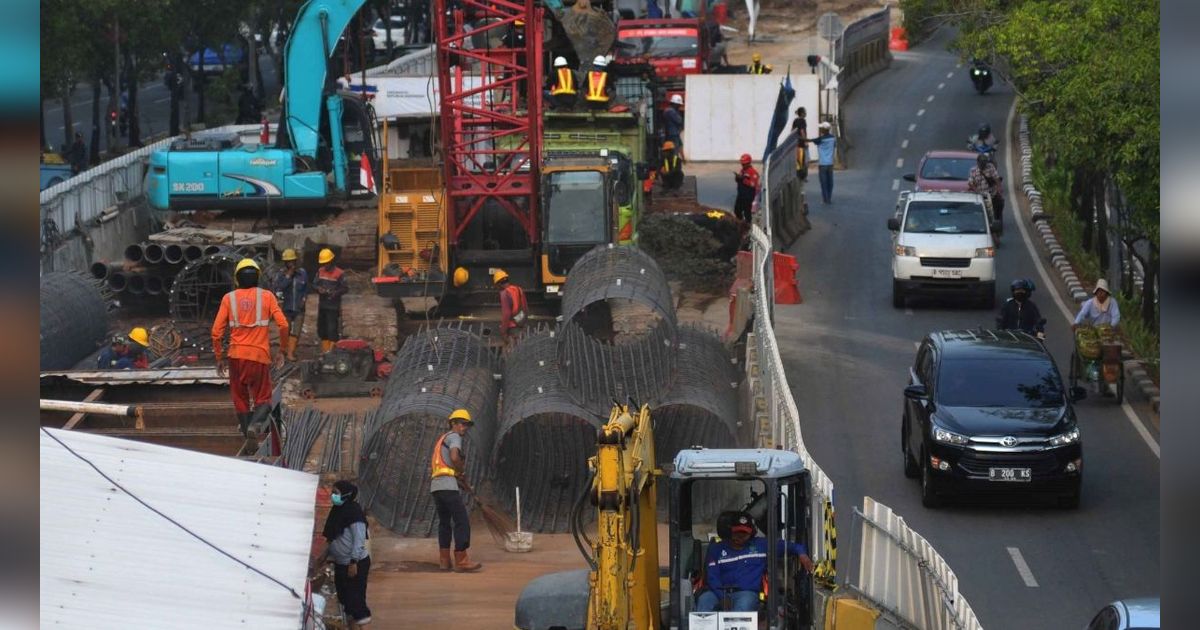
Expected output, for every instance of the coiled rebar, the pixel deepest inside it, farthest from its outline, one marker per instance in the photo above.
(74, 319)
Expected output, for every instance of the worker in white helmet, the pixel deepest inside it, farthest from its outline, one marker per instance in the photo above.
(562, 93)
(599, 92)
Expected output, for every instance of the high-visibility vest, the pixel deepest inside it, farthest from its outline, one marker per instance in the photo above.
(566, 83)
(595, 87)
(438, 466)
(758, 68)
(259, 320)
(670, 163)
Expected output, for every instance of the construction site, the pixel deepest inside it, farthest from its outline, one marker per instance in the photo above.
(641, 297)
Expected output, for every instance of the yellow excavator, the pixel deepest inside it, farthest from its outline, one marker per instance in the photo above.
(624, 587)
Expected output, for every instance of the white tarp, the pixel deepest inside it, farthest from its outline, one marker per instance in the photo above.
(730, 114)
(404, 97)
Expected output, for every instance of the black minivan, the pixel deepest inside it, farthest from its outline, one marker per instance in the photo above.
(986, 410)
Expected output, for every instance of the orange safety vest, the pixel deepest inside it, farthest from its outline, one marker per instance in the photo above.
(438, 466)
(516, 298)
(595, 88)
(566, 83)
(758, 68)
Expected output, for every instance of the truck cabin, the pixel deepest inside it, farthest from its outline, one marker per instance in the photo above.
(708, 488)
(675, 47)
(579, 199)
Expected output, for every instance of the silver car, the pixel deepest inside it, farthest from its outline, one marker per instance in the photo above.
(1128, 614)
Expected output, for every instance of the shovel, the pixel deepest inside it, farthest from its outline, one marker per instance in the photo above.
(518, 541)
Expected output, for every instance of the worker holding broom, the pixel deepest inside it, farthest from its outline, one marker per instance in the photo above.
(448, 469)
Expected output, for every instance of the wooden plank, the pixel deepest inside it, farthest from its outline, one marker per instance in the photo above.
(78, 417)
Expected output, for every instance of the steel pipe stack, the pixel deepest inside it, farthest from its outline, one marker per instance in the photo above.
(74, 319)
(545, 436)
(437, 370)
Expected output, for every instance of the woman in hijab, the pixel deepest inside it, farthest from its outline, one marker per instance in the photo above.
(346, 532)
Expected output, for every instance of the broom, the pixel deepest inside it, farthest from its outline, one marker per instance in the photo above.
(498, 523)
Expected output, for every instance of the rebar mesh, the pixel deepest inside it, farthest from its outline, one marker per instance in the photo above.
(74, 319)
(437, 370)
(195, 295)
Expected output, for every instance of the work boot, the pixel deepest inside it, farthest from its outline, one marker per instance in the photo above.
(291, 348)
(444, 562)
(326, 346)
(463, 564)
(243, 422)
(259, 418)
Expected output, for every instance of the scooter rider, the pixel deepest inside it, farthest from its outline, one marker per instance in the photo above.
(983, 141)
(985, 180)
(1019, 312)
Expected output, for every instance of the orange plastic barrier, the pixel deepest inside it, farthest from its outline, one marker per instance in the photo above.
(786, 289)
(898, 39)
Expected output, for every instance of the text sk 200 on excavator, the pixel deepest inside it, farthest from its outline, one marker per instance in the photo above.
(624, 586)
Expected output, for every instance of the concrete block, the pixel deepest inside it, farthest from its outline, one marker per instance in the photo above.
(1079, 296)
(1154, 403)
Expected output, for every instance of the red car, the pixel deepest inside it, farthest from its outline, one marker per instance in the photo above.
(944, 171)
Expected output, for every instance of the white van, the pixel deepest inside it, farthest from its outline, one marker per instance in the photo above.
(943, 246)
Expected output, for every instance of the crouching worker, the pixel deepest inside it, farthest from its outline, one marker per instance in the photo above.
(735, 568)
(246, 313)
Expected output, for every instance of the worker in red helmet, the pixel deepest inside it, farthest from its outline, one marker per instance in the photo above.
(747, 188)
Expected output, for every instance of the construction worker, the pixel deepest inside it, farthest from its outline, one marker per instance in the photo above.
(562, 93)
(734, 568)
(671, 170)
(246, 313)
(448, 470)
(513, 308)
(673, 122)
(757, 66)
(116, 356)
(599, 92)
(139, 348)
(291, 287)
(331, 286)
(747, 188)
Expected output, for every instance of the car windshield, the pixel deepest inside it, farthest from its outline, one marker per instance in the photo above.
(660, 42)
(945, 217)
(575, 208)
(958, 169)
(999, 382)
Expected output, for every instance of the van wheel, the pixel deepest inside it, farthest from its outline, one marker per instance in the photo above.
(929, 495)
(898, 299)
(911, 469)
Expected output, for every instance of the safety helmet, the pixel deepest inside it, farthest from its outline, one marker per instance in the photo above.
(715, 214)
(245, 274)
(600, 61)
(289, 254)
(756, 57)
(668, 146)
(244, 263)
(1022, 284)
(677, 99)
(983, 159)
(984, 130)
(519, 22)
(500, 276)
(326, 256)
(560, 62)
(140, 335)
(119, 340)
(461, 276)
(461, 415)
(744, 522)
(746, 159)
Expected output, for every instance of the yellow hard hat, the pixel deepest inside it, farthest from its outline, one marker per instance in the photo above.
(500, 276)
(246, 262)
(325, 256)
(668, 146)
(288, 254)
(140, 335)
(461, 276)
(714, 214)
(461, 415)
(756, 57)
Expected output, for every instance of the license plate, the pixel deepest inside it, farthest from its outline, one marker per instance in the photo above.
(948, 273)
(1010, 474)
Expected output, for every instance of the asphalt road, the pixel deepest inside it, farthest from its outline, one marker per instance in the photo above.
(847, 352)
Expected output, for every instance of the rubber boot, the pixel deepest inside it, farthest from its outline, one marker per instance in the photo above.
(463, 564)
(291, 348)
(258, 420)
(444, 562)
(326, 346)
(243, 422)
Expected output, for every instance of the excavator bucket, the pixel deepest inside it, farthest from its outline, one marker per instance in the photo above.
(591, 31)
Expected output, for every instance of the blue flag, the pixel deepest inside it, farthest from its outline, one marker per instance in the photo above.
(780, 118)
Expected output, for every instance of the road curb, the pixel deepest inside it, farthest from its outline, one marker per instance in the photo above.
(1040, 221)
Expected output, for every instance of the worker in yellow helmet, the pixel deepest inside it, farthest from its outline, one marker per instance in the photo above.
(448, 473)
(514, 309)
(291, 287)
(139, 348)
(331, 286)
(757, 66)
(246, 314)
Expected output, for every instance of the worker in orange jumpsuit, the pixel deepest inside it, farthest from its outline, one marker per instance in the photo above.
(246, 313)
(513, 308)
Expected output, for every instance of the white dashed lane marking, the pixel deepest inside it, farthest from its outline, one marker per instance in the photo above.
(900, 163)
(930, 99)
(895, 184)
(949, 74)
(904, 145)
(941, 85)
(1022, 568)
(920, 112)
(912, 127)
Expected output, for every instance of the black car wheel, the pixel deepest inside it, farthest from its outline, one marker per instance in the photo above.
(929, 495)
(1070, 501)
(911, 469)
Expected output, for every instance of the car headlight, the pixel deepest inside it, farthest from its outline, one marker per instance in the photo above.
(948, 437)
(901, 250)
(1063, 439)
(985, 252)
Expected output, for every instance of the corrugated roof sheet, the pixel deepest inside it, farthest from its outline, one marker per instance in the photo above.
(109, 562)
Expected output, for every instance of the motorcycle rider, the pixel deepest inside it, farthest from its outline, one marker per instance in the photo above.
(981, 75)
(983, 141)
(1019, 312)
(985, 180)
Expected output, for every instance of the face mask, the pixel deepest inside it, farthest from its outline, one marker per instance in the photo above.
(336, 498)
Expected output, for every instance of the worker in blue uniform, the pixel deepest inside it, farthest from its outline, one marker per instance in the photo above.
(736, 567)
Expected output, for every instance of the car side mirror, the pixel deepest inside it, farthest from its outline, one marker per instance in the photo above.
(894, 224)
(1078, 393)
(910, 177)
(916, 392)
(995, 226)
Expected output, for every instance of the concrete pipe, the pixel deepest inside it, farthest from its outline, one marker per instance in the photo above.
(437, 370)
(73, 318)
(152, 253)
(173, 254)
(136, 283)
(619, 330)
(118, 281)
(545, 437)
(135, 253)
(154, 285)
(192, 252)
(102, 270)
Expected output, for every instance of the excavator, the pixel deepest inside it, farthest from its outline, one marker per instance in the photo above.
(323, 131)
(623, 586)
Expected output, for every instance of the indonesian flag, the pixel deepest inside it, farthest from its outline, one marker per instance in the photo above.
(366, 178)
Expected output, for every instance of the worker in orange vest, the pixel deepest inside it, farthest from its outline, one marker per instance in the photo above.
(757, 66)
(448, 473)
(514, 310)
(562, 94)
(246, 313)
(598, 90)
(671, 171)
(330, 286)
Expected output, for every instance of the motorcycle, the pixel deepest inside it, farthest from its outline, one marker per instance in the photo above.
(979, 145)
(981, 76)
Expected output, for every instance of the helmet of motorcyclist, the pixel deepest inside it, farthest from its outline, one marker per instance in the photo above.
(983, 159)
(1022, 285)
(985, 130)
